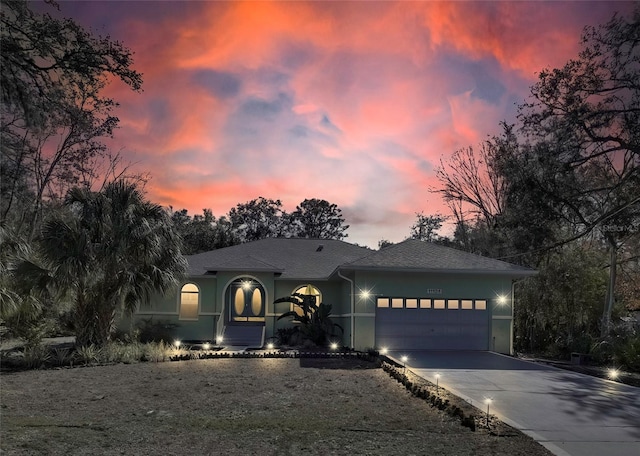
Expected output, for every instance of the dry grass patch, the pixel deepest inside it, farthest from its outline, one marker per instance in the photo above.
(231, 407)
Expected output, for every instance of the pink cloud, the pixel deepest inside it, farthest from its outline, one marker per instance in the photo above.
(351, 102)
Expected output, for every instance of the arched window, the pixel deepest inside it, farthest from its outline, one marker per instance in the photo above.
(307, 290)
(189, 301)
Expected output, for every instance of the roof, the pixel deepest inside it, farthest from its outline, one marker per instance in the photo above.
(292, 258)
(415, 255)
(317, 259)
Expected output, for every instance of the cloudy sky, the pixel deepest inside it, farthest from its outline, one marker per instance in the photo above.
(352, 102)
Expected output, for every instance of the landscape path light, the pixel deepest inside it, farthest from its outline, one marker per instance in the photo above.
(384, 351)
(404, 359)
(488, 402)
(270, 346)
(206, 346)
(613, 373)
(177, 343)
(438, 384)
(334, 345)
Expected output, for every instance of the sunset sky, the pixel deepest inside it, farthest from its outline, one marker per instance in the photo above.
(352, 102)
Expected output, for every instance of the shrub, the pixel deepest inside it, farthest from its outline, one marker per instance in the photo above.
(284, 335)
(157, 351)
(62, 356)
(36, 356)
(626, 353)
(156, 331)
(88, 354)
(29, 325)
(112, 352)
(470, 422)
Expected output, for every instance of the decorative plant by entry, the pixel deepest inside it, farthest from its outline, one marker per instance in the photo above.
(315, 321)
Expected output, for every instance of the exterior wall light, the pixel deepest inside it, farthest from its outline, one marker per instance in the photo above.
(502, 300)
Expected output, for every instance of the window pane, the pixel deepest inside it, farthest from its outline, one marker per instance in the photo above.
(256, 302)
(190, 287)
(467, 304)
(453, 304)
(438, 304)
(383, 302)
(425, 303)
(397, 303)
(411, 303)
(481, 304)
(189, 296)
(238, 301)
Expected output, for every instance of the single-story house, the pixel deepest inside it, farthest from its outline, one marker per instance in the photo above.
(411, 295)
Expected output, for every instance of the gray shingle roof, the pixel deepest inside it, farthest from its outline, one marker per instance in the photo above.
(304, 259)
(425, 256)
(293, 258)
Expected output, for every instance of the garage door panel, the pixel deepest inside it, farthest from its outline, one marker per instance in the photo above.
(432, 329)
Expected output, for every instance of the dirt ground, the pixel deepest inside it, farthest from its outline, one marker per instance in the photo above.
(233, 407)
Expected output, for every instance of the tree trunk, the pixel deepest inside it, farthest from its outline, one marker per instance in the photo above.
(93, 323)
(606, 317)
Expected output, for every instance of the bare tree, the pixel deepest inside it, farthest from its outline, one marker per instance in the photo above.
(471, 185)
(53, 117)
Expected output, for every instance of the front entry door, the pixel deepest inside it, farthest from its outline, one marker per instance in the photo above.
(247, 302)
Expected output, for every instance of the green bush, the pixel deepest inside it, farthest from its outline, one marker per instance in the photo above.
(157, 351)
(285, 336)
(88, 354)
(621, 349)
(626, 353)
(150, 330)
(62, 356)
(36, 356)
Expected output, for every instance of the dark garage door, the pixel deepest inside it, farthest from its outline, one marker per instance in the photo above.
(432, 329)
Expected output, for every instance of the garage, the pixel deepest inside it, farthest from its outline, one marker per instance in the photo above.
(432, 324)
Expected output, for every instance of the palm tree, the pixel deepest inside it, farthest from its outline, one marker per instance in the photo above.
(109, 252)
(22, 292)
(11, 249)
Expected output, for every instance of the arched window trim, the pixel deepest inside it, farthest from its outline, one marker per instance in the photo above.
(185, 309)
(229, 302)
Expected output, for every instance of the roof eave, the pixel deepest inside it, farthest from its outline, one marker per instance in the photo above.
(213, 270)
(304, 279)
(501, 272)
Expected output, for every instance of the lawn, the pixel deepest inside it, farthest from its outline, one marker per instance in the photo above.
(231, 407)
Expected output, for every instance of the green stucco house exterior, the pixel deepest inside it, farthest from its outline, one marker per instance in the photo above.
(412, 295)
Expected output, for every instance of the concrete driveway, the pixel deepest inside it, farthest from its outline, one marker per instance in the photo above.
(569, 413)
